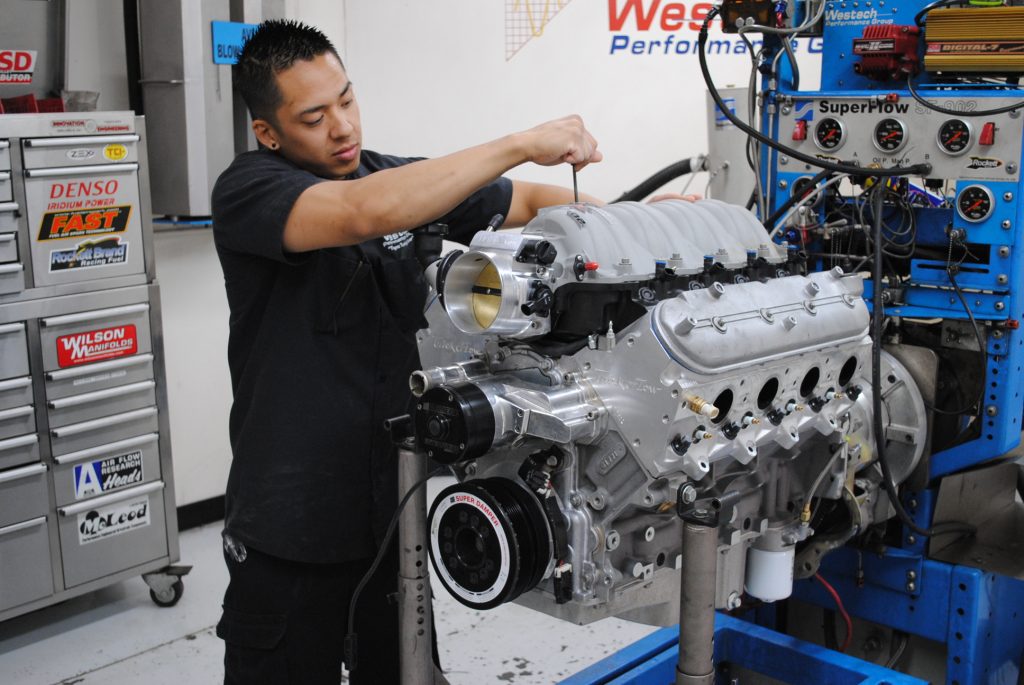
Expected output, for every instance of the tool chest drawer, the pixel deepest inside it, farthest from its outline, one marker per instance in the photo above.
(100, 403)
(8, 216)
(13, 350)
(8, 247)
(6, 186)
(108, 468)
(23, 494)
(98, 376)
(5, 155)
(94, 336)
(18, 451)
(80, 151)
(17, 421)
(106, 534)
(25, 570)
(15, 392)
(82, 436)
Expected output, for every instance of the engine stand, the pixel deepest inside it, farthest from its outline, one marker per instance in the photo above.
(697, 572)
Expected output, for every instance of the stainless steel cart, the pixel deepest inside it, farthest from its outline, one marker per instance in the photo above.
(86, 484)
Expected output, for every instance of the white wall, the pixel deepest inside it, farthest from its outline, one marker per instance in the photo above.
(95, 51)
(432, 77)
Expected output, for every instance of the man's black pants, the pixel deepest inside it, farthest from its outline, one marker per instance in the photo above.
(284, 622)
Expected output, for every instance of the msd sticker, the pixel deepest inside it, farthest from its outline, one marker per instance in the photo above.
(105, 522)
(96, 477)
(83, 223)
(93, 346)
(90, 253)
(16, 66)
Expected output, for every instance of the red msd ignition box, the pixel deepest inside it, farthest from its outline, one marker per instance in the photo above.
(887, 52)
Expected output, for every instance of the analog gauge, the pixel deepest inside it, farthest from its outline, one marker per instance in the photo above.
(975, 203)
(890, 135)
(955, 136)
(829, 134)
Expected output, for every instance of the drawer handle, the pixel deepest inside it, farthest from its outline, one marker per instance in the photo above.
(80, 140)
(15, 384)
(20, 441)
(6, 237)
(4, 144)
(99, 395)
(82, 170)
(100, 367)
(12, 328)
(103, 501)
(105, 422)
(5, 176)
(8, 206)
(11, 268)
(24, 525)
(22, 473)
(15, 413)
(109, 448)
(94, 315)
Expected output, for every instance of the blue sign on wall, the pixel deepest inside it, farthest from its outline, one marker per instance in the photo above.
(228, 38)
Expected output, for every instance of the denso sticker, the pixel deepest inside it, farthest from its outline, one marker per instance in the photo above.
(114, 473)
(103, 252)
(83, 223)
(94, 346)
(105, 522)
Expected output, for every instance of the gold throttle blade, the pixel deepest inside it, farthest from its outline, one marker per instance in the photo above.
(487, 296)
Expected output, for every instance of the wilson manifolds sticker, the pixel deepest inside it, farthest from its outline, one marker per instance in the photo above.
(93, 346)
(114, 519)
(103, 252)
(84, 223)
(104, 475)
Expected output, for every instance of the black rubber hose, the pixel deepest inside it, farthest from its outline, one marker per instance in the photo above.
(649, 185)
(793, 199)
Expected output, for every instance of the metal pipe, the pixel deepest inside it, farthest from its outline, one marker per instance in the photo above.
(696, 664)
(415, 623)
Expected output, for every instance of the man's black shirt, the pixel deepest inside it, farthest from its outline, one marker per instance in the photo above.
(320, 350)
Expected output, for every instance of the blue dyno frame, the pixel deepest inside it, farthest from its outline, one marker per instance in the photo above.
(652, 660)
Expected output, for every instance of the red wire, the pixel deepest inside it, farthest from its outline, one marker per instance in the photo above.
(842, 610)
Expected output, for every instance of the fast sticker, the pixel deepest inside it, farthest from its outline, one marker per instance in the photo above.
(105, 522)
(115, 152)
(103, 252)
(83, 223)
(96, 477)
(94, 346)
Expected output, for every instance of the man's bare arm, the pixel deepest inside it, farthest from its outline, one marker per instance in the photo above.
(336, 213)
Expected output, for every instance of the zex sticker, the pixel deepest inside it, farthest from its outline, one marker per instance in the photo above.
(94, 346)
(84, 222)
(104, 475)
(103, 252)
(114, 519)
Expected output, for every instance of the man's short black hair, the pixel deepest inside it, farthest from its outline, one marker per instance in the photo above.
(275, 46)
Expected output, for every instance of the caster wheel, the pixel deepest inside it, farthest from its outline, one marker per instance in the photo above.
(170, 597)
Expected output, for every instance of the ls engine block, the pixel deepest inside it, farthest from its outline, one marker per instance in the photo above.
(591, 376)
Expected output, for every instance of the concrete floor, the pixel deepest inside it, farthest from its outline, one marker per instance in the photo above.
(117, 636)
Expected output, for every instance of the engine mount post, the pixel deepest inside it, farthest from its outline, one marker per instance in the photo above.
(697, 576)
(415, 620)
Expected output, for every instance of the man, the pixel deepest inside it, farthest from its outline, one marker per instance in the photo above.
(325, 297)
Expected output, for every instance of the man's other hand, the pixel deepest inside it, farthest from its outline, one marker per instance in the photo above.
(561, 140)
(692, 197)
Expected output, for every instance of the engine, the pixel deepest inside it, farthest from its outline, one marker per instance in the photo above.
(596, 375)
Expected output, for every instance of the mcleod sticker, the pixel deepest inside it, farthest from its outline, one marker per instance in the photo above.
(104, 475)
(103, 252)
(97, 345)
(84, 223)
(115, 519)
